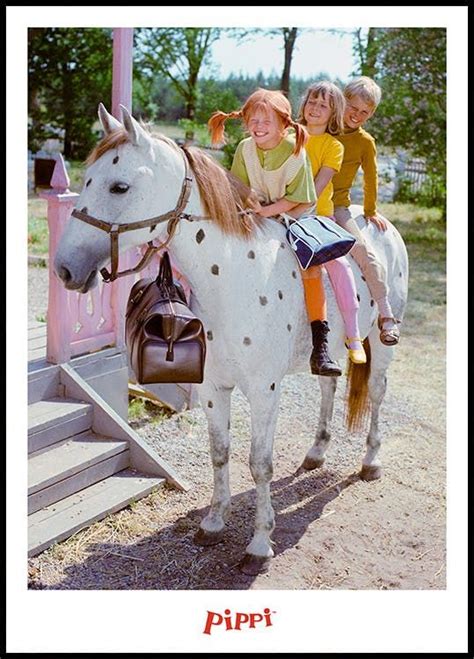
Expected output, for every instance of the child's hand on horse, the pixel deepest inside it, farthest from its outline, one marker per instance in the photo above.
(379, 222)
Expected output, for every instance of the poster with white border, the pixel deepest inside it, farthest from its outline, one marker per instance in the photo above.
(152, 621)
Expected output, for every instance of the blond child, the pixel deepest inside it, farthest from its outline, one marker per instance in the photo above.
(273, 162)
(362, 98)
(321, 112)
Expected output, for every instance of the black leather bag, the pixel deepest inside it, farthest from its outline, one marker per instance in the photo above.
(165, 340)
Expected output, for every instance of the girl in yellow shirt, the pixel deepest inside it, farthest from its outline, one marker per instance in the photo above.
(322, 111)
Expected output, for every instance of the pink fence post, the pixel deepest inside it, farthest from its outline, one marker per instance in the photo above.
(122, 68)
(60, 204)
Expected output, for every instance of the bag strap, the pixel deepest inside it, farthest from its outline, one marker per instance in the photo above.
(165, 274)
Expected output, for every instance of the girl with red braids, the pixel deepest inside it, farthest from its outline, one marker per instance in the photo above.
(273, 162)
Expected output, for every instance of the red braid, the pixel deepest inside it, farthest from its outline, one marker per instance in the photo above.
(216, 124)
(301, 136)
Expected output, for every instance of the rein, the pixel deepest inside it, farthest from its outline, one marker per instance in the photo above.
(114, 229)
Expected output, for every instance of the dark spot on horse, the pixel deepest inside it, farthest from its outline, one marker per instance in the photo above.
(88, 183)
(282, 245)
(84, 210)
(215, 269)
(362, 277)
(280, 295)
(251, 254)
(371, 303)
(400, 274)
(115, 160)
(210, 403)
(272, 386)
(228, 425)
(200, 236)
(247, 341)
(293, 274)
(288, 327)
(210, 335)
(152, 228)
(263, 300)
(358, 297)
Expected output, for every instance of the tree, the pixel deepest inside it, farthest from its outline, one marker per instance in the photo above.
(367, 51)
(289, 38)
(409, 64)
(69, 72)
(178, 54)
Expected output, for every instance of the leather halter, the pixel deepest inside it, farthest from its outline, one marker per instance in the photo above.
(172, 217)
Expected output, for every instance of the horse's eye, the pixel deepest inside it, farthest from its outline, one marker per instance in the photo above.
(119, 188)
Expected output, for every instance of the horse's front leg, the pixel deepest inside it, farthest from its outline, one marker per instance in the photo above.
(264, 412)
(216, 404)
(315, 456)
(381, 356)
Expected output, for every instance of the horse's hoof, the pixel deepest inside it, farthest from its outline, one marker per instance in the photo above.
(208, 538)
(370, 472)
(312, 463)
(254, 565)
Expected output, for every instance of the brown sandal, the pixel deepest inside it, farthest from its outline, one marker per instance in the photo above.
(389, 337)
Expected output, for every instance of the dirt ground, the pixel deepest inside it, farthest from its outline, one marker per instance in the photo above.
(333, 531)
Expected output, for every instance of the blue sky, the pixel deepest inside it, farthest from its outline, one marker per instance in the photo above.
(316, 51)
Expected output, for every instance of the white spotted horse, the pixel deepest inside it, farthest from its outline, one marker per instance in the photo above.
(246, 289)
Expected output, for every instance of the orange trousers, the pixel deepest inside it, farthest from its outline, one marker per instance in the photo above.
(314, 294)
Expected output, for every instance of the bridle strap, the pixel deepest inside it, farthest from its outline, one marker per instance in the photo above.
(172, 217)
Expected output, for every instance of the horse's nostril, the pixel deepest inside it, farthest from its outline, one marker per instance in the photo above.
(64, 274)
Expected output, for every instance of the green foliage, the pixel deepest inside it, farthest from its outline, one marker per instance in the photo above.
(177, 54)
(212, 97)
(234, 134)
(409, 64)
(69, 72)
(432, 192)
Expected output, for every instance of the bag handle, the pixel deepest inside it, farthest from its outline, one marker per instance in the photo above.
(165, 274)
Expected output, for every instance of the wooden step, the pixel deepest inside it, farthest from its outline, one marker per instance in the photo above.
(43, 382)
(71, 466)
(64, 518)
(50, 421)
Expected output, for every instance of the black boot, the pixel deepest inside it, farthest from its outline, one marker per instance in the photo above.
(320, 361)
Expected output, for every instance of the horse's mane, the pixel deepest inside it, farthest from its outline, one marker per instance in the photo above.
(223, 195)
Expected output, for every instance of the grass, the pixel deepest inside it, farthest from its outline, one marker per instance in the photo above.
(424, 233)
(141, 411)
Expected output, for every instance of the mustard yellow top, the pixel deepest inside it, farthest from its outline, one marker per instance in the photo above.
(359, 151)
(324, 151)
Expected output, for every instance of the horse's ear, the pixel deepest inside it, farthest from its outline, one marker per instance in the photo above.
(108, 121)
(136, 133)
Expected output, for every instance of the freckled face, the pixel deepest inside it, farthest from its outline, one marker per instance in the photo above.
(266, 129)
(357, 112)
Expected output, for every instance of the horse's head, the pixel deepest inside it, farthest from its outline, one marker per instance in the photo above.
(130, 177)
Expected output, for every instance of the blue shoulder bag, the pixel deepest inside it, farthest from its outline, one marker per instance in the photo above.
(316, 239)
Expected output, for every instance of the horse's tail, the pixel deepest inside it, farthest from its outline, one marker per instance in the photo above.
(357, 399)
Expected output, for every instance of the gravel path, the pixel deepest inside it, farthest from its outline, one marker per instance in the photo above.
(333, 531)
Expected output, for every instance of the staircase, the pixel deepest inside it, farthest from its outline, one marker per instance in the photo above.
(84, 461)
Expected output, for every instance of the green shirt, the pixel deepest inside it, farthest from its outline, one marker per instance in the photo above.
(300, 189)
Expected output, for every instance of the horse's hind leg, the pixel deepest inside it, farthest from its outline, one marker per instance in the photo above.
(381, 356)
(264, 413)
(216, 404)
(315, 456)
